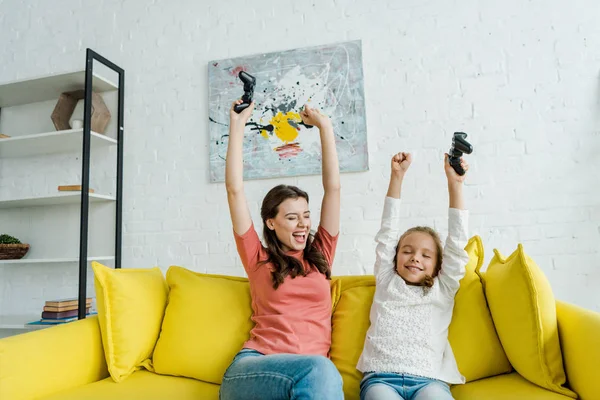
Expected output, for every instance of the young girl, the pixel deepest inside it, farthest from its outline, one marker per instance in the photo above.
(287, 354)
(406, 354)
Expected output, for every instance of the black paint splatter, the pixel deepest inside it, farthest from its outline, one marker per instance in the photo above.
(259, 127)
(216, 122)
(302, 123)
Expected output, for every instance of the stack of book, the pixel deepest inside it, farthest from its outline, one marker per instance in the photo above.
(62, 310)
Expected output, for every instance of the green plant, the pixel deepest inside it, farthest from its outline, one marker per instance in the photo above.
(7, 239)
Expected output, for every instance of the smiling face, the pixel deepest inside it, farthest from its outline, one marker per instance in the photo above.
(416, 257)
(291, 224)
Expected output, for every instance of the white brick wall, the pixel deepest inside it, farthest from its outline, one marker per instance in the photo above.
(522, 78)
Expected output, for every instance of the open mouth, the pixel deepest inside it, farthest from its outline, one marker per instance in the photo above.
(300, 237)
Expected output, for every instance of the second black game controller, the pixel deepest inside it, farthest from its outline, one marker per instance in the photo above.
(459, 146)
(249, 83)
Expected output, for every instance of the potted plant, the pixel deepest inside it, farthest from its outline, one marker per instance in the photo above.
(11, 248)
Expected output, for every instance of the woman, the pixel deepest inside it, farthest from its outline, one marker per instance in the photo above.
(287, 354)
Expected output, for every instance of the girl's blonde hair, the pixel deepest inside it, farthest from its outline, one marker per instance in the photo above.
(427, 281)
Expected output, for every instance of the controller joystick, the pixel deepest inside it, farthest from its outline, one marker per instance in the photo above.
(459, 146)
(249, 83)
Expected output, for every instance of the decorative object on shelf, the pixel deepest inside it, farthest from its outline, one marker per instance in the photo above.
(4, 136)
(67, 101)
(71, 188)
(11, 248)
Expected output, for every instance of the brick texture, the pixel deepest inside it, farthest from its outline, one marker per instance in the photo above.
(522, 78)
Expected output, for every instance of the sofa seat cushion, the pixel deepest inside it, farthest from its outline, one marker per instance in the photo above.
(142, 385)
(504, 387)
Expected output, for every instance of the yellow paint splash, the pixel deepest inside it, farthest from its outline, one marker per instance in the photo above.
(282, 127)
(264, 133)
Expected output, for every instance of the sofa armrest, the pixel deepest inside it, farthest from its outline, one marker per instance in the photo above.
(40, 363)
(579, 331)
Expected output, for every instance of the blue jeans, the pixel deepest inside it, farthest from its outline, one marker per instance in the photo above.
(253, 375)
(391, 386)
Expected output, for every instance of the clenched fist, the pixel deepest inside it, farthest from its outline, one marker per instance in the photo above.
(401, 162)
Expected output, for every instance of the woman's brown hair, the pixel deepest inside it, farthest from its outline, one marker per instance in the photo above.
(284, 265)
(427, 281)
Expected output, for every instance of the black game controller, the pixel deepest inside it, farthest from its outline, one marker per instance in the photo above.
(249, 82)
(459, 146)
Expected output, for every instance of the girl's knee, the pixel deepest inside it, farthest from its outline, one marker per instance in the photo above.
(380, 391)
(434, 391)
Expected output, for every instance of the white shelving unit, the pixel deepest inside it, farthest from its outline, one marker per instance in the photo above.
(53, 200)
(53, 260)
(36, 90)
(66, 141)
(48, 87)
(19, 322)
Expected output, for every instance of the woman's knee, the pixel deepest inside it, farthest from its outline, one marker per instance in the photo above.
(278, 376)
(323, 366)
(323, 374)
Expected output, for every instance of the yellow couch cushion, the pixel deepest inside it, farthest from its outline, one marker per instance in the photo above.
(206, 323)
(336, 291)
(524, 312)
(142, 385)
(349, 327)
(504, 387)
(131, 304)
(472, 335)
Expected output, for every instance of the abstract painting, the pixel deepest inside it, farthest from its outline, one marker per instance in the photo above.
(276, 142)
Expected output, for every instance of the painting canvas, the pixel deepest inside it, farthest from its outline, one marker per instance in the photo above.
(276, 143)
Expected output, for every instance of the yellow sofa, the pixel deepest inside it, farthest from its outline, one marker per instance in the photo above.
(68, 362)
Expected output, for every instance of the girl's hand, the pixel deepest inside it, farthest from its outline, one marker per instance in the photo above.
(401, 162)
(451, 174)
(240, 119)
(312, 116)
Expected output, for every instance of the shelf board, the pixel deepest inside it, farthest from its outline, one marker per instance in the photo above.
(48, 88)
(20, 322)
(58, 199)
(54, 260)
(66, 141)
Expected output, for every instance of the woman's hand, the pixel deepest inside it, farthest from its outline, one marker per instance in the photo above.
(239, 120)
(312, 116)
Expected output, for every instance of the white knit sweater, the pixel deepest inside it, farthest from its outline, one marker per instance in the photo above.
(409, 324)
